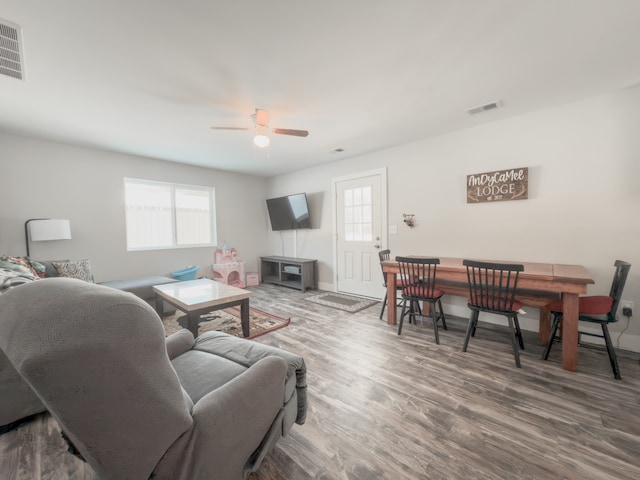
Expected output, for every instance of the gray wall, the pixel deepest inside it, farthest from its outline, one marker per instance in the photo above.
(583, 204)
(582, 208)
(46, 179)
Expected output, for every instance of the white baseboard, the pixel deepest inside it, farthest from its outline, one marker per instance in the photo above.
(529, 321)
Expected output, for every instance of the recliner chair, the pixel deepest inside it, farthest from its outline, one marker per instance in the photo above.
(19, 404)
(135, 407)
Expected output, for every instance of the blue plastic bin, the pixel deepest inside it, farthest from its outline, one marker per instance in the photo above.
(188, 273)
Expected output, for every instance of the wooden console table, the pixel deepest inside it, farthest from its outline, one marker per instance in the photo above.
(538, 280)
(291, 272)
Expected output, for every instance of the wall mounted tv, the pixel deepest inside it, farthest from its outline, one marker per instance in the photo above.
(289, 213)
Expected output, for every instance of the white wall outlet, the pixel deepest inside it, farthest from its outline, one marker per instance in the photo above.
(627, 304)
(393, 229)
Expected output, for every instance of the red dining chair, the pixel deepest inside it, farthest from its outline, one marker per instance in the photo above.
(492, 289)
(386, 255)
(417, 277)
(595, 309)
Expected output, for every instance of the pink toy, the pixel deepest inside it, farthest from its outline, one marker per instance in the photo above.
(228, 268)
(253, 279)
(226, 255)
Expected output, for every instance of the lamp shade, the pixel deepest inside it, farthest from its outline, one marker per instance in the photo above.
(49, 229)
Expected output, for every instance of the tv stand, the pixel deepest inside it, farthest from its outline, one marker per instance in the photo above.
(299, 273)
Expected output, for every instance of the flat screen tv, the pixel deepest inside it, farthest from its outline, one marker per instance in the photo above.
(289, 213)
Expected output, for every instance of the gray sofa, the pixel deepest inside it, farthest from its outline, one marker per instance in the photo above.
(135, 405)
(141, 287)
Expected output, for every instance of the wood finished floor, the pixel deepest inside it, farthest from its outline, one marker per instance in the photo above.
(388, 407)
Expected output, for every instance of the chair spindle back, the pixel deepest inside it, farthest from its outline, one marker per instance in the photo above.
(417, 272)
(492, 286)
(384, 255)
(617, 286)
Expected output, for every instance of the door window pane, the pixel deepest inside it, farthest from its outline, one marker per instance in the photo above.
(358, 225)
(348, 198)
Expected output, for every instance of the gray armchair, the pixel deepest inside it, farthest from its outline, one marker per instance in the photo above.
(135, 406)
(18, 403)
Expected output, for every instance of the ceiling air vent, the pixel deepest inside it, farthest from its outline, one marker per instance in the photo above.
(11, 50)
(485, 107)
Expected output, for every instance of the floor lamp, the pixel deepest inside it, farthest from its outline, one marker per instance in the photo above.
(44, 229)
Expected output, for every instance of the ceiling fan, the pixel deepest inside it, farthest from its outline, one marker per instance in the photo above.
(260, 121)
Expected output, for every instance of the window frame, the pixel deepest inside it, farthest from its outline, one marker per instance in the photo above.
(174, 231)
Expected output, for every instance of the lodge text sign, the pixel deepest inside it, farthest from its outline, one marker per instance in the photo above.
(498, 186)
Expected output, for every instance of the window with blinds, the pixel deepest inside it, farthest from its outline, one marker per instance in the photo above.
(165, 215)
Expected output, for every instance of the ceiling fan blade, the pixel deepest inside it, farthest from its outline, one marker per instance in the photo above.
(289, 131)
(229, 128)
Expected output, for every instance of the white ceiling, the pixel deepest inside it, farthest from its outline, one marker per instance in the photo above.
(149, 77)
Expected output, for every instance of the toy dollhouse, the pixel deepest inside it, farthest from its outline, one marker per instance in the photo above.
(227, 267)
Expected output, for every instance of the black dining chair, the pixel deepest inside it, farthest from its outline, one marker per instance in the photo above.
(386, 255)
(417, 277)
(492, 289)
(595, 309)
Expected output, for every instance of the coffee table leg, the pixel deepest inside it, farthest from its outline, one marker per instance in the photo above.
(159, 305)
(192, 324)
(244, 317)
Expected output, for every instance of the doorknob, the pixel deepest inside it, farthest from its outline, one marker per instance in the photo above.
(377, 246)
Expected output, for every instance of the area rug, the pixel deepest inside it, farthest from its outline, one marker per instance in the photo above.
(228, 321)
(341, 301)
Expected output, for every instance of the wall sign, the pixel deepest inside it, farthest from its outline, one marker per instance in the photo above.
(498, 186)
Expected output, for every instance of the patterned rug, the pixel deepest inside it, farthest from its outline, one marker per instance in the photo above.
(341, 301)
(228, 321)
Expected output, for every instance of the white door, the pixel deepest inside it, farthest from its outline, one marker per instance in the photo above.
(359, 235)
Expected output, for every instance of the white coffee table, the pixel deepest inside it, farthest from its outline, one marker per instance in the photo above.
(197, 297)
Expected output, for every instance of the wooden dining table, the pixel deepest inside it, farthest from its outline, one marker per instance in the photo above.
(537, 281)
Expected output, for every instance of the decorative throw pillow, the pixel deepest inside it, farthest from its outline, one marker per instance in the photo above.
(39, 268)
(80, 270)
(13, 278)
(19, 264)
(49, 269)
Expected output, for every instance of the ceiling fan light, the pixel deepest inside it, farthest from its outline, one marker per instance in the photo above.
(261, 140)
